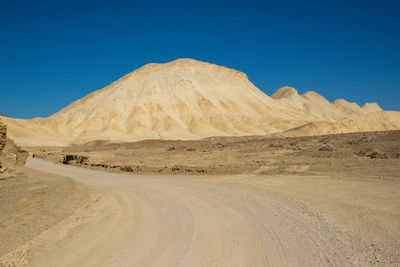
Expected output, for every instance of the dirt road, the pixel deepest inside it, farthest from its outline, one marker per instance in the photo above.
(170, 221)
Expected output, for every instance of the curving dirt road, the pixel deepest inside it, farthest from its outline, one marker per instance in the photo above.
(169, 221)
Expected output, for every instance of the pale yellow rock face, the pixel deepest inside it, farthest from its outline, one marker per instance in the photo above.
(182, 99)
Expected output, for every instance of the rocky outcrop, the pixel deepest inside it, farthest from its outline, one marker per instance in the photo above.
(3, 134)
(11, 156)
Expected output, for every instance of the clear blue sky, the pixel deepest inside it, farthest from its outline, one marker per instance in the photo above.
(54, 52)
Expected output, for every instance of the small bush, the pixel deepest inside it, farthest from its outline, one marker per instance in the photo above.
(378, 155)
(127, 169)
(273, 145)
(175, 169)
(68, 159)
(220, 145)
(327, 148)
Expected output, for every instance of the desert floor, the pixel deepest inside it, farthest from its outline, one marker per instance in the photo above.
(358, 154)
(311, 201)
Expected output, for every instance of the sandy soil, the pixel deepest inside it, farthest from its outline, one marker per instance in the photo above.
(32, 202)
(239, 220)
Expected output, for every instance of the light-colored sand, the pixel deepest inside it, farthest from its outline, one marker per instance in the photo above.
(224, 221)
(182, 99)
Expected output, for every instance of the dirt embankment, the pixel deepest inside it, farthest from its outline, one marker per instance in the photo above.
(30, 201)
(11, 155)
(375, 153)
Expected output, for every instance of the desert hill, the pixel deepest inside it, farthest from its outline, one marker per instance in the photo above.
(182, 99)
(318, 108)
(378, 121)
(354, 109)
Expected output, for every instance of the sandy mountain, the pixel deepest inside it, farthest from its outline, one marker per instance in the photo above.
(182, 99)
